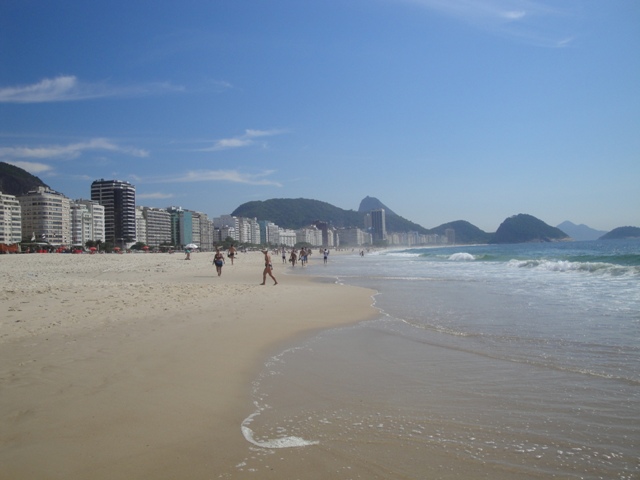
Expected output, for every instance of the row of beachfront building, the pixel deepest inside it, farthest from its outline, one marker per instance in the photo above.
(111, 215)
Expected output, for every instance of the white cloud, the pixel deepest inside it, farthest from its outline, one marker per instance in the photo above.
(530, 21)
(514, 15)
(243, 140)
(32, 167)
(66, 88)
(232, 176)
(70, 151)
(154, 196)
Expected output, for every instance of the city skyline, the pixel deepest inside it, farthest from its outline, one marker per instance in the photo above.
(444, 111)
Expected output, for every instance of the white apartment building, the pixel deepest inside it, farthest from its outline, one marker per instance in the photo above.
(310, 235)
(10, 219)
(195, 228)
(81, 224)
(353, 237)
(287, 237)
(141, 225)
(47, 215)
(87, 222)
(156, 223)
(269, 233)
(249, 231)
(229, 226)
(203, 232)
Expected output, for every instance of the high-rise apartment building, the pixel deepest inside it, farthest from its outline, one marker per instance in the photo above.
(87, 222)
(153, 226)
(353, 237)
(46, 214)
(119, 200)
(10, 220)
(378, 225)
(206, 232)
(181, 226)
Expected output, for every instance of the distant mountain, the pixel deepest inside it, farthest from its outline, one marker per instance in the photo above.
(523, 228)
(464, 232)
(394, 222)
(372, 203)
(295, 213)
(622, 232)
(580, 232)
(16, 181)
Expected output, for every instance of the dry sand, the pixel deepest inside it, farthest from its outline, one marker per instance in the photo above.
(140, 365)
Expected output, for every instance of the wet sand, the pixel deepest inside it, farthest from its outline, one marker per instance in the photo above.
(140, 365)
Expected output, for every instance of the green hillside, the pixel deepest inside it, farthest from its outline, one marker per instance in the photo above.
(299, 212)
(16, 181)
(465, 232)
(295, 213)
(524, 228)
(622, 232)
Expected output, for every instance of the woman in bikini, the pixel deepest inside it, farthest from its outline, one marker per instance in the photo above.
(267, 268)
(218, 261)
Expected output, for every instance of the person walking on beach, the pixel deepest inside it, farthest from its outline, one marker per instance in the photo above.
(218, 261)
(232, 253)
(326, 255)
(268, 267)
(293, 258)
(284, 255)
(188, 254)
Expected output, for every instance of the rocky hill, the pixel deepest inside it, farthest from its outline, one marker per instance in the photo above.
(372, 203)
(523, 228)
(580, 232)
(299, 212)
(622, 232)
(295, 213)
(465, 232)
(16, 181)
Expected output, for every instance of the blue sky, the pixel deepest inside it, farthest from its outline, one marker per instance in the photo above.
(444, 110)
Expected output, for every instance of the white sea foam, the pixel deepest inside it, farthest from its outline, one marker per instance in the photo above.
(462, 257)
(282, 442)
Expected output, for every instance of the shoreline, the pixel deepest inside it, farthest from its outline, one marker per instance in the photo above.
(140, 365)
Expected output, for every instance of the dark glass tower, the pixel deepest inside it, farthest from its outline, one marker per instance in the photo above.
(378, 225)
(119, 201)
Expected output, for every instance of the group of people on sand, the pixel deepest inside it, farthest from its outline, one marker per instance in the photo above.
(302, 256)
(295, 256)
(218, 261)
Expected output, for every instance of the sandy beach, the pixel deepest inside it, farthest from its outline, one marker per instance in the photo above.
(140, 365)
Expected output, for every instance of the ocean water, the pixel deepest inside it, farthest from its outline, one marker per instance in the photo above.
(499, 361)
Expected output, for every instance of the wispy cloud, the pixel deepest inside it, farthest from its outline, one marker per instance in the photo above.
(248, 138)
(31, 167)
(154, 196)
(232, 176)
(70, 151)
(67, 88)
(531, 21)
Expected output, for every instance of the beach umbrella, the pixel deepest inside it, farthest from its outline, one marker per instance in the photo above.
(191, 246)
(93, 249)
